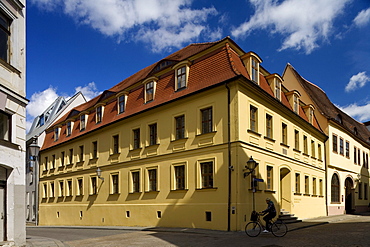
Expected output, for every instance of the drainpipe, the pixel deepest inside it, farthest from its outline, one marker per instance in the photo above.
(326, 180)
(228, 159)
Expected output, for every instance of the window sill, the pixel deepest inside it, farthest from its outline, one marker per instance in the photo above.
(269, 139)
(9, 144)
(151, 192)
(284, 145)
(115, 154)
(94, 159)
(10, 67)
(208, 133)
(297, 194)
(153, 146)
(180, 190)
(135, 192)
(254, 133)
(180, 140)
(296, 150)
(270, 191)
(306, 195)
(206, 189)
(304, 154)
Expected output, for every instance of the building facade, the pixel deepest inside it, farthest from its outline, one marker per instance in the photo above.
(347, 149)
(12, 121)
(169, 146)
(34, 140)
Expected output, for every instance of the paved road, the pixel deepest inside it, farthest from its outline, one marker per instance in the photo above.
(347, 230)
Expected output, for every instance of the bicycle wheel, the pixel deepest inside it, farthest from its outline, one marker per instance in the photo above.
(253, 229)
(279, 229)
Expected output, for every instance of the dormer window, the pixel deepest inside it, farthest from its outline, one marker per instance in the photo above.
(274, 81)
(355, 131)
(293, 98)
(181, 75)
(56, 133)
(83, 119)
(339, 119)
(252, 63)
(42, 120)
(309, 110)
(99, 114)
(149, 87)
(69, 128)
(121, 103)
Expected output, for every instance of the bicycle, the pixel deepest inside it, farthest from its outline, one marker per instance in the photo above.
(254, 228)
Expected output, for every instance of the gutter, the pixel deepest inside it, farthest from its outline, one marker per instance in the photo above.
(228, 159)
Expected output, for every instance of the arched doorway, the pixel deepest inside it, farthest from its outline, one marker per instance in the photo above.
(285, 189)
(349, 196)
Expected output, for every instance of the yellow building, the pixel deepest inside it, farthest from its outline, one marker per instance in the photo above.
(347, 149)
(168, 147)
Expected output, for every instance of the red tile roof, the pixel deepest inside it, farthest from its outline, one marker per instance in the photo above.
(208, 70)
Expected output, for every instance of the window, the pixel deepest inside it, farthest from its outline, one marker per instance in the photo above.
(61, 188)
(115, 149)
(121, 103)
(81, 156)
(82, 122)
(321, 188)
(180, 127)
(363, 159)
(62, 157)
(53, 161)
(347, 149)
(56, 134)
(366, 191)
(269, 179)
(181, 77)
(253, 118)
(314, 191)
(52, 189)
(153, 134)
(295, 103)
(136, 133)
(80, 187)
(46, 163)
(297, 183)
(114, 184)
(41, 120)
(305, 145)
(207, 174)
(93, 185)
(359, 185)
(306, 185)
(69, 188)
(341, 146)
(180, 177)
(4, 120)
(335, 144)
(152, 176)
(355, 155)
(310, 116)
(70, 156)
(44, 191)
(99, 114)
(358, 156)
(149, 91)
(268, 126)
(94, 149)
(278, 89)
(4, 37)
(313, 148)
(284, 134)
(206, 120)
(69, 128)
(135, 181)
(254, 73)
(335, 189)
(296, 139)
(319, 151)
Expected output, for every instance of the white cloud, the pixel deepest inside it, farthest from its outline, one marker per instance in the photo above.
(363, 18)
(304, 23)
(149, 21)
(359, 112)
(41, 100)
(357, 81)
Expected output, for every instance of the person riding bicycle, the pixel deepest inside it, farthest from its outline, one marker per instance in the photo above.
(270, 212)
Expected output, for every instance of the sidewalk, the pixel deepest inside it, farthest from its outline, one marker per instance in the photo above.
(34, 241)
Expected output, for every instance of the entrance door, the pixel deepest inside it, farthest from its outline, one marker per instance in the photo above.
(350, 196)
(285, 189)
(2, 213)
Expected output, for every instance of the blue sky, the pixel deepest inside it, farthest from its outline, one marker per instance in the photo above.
(89, 46)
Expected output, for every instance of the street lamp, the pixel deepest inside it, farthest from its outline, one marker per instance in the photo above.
(251, 166)
(98, 173)
(33, 160)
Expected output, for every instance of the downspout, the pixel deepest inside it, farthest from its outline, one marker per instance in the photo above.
(326, 180)
(228, 159)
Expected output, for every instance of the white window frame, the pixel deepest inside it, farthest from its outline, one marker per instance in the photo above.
(199, 173)
(153, 80)
(184, 64)
(111, 185)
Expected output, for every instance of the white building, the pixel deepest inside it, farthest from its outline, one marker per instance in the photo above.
(12, 122)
